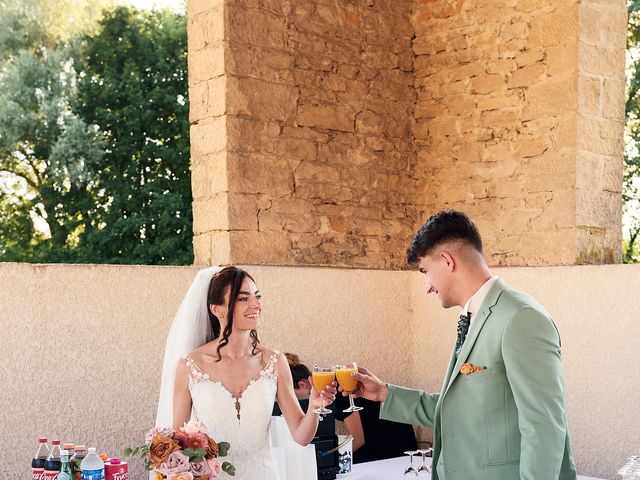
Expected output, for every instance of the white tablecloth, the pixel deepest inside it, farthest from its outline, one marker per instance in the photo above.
(392, 469)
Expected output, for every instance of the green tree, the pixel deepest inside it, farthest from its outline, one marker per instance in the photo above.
(45, 153)
(94, 153)
(134, 87)
(631, 182)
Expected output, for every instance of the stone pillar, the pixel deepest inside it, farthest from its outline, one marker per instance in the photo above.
(301, 132)
(324, 133)
(519, 122)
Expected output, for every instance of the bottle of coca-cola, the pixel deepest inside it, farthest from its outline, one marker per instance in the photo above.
(37, 464)
(52, 465)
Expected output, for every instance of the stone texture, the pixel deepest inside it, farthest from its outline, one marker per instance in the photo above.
(324, 133)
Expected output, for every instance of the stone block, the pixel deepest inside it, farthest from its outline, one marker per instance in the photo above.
(589, 95)
(208, 136)
(554, 27)
(614, 98)
(553, 97)
(529, 57)
(209, 176)
(206, 63)
(317, 172)
(328, 117)
(211, 213)
(195, 7)
(207, 99)
(526, 76)
(212, 248)
(259, 173)
(259, 99)
(487, 83)
(532, 146)
(597, 60)
(243, 211)
(255, 27)
(205, 28)
(260, 248)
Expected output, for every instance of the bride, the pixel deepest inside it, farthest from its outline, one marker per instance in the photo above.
(216, 370)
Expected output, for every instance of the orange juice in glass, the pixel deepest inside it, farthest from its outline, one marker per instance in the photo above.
(322, 377)
(348, 384)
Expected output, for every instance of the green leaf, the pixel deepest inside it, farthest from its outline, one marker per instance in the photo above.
(229, 469)
(189, 452)
(224, 448)
(127, 452)
(197, 459)
(201, 452)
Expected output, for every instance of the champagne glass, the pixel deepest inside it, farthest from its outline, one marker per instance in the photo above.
(424, 467)
(410, 470)
(322, 377)
(348, 384)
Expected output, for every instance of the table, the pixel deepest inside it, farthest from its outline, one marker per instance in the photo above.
(392, 469)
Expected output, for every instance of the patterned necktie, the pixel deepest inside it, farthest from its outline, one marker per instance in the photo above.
(463, 328)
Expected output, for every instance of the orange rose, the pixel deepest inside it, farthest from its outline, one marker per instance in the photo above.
(212, 449)
(466, 368)
(160, 449)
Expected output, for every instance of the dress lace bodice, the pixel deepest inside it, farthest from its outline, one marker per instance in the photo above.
(242, 421)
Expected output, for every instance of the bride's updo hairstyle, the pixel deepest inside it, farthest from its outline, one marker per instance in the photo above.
(229, 278)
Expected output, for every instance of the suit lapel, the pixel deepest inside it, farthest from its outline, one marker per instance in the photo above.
(477, 322)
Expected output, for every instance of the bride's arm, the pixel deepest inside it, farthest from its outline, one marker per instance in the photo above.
(302, 426)
(181, 396)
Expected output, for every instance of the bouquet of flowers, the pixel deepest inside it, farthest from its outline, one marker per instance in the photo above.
(187, 454)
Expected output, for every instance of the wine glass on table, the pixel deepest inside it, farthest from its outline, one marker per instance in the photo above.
(322, 377)
(424, 467)
(410, 470)
(348, 383)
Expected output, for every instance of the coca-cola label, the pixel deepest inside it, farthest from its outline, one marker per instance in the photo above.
(50, 475)
(37, 474)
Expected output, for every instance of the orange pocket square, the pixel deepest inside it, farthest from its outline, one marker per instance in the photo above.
(468, 368)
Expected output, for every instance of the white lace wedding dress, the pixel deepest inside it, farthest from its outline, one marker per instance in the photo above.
(243, 422)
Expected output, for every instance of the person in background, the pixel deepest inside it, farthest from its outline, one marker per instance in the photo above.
(373, 438)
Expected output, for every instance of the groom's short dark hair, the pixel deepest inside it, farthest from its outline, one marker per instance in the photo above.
(444, 226)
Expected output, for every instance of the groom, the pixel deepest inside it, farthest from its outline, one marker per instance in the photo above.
(500, 414)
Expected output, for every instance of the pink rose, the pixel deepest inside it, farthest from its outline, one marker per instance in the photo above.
(180, 476)
(200, 469)
(215, 466)
(177, 462)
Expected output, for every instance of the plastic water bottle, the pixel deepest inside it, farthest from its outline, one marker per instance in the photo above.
(92, 466)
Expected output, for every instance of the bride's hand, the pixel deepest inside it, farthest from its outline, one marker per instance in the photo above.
(315, 398)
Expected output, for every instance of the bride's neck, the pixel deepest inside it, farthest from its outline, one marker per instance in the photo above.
(239, 345)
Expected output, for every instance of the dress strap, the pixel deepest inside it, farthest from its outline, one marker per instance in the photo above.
(197, 375)
(270, 371)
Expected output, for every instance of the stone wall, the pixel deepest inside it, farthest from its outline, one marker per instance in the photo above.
(325, 131)
(301, 133)
(519, 122)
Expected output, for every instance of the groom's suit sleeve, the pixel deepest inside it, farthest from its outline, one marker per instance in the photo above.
(531, 352)
(405, 405)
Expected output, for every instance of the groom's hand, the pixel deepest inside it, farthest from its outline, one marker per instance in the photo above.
(369, 386)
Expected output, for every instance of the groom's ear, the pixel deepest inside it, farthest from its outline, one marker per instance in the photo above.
(448, 259)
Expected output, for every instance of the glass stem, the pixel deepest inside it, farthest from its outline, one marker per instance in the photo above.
(351, 401)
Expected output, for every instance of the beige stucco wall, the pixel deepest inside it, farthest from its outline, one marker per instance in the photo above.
(83, 345)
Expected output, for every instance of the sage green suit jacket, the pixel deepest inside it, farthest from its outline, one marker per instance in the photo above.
(507, 421)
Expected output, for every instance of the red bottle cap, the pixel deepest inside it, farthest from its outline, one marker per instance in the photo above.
(42, 440)
(55, 442)
(114, 461)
